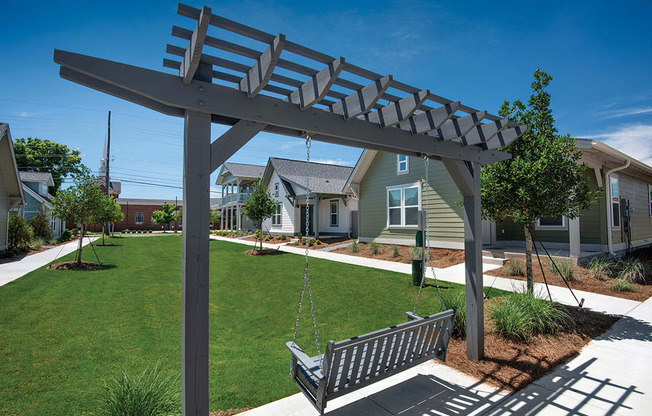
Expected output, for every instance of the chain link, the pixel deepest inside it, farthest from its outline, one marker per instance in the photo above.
(426, 163)
(306, 274)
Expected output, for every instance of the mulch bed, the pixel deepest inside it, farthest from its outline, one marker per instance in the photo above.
(513, 365)
(586, 282)
(73, 265)
(229, 412)
(263, 252)
(326, 242)
(441, 257)
(276, 239)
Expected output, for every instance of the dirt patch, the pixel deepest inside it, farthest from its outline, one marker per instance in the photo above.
(513, 365)
(229, 412)
(441, 257)
(263, 252)
(73, 265)
(586, 281)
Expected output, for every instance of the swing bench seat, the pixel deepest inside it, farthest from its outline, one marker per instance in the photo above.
(357, 362)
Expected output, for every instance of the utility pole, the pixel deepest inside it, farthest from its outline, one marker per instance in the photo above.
(107, 157)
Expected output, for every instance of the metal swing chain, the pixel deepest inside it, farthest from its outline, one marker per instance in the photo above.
(306, 274)
(426, 163)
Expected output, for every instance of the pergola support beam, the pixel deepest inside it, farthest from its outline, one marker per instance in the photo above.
(431, 119)
(260, 74)
(467, 177)
(458, 127)
(505, 137)
(193, 53)
(398, 111)
(231, 141)
(484, 132)
(315, 89)
(363, 100)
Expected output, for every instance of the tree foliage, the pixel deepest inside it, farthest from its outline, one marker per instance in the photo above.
(259, 206)
(544, 178)
(108, 212)
(40, 155)
(165, 215)
(41, 225)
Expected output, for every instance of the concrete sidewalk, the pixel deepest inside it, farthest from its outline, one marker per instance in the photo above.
(612, 374)
(15, 269)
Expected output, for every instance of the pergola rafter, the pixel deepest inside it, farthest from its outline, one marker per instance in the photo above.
(253, 97)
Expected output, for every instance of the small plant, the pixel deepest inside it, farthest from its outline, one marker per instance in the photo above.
(632, 270)
(148, 394)
(311, 242)
(393, 250)
(37, 243)
(282, 237)
(303, 240)
(354, 247)
(457, 299)
(622, 285)
(300, 236)
(318, 242)
(568, 270)
(521, 314)
(515, 268)
(373, 247)
(75, 232)
(65, 236)
(416, 252)
(600, 267)
(257, 235)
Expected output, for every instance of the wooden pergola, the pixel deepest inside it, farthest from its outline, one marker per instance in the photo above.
(290, 90)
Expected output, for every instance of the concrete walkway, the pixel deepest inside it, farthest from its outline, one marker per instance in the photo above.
(15, 269)
(611, 376)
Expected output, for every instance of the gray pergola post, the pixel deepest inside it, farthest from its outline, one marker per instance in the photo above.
(194, 292)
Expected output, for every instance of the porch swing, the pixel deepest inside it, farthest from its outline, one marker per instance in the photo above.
(354, 363)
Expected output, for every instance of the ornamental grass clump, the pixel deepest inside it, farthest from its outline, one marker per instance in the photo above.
(521, 315)
(147, 394)
(353, 248)
(393, 250)
(568, 270)
(600, 267)
(622, 285)
(373, 247)
(457, 299)
(515, 268)
(632, 270)
(416, 252)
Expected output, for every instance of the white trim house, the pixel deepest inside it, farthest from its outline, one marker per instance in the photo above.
(11, 190)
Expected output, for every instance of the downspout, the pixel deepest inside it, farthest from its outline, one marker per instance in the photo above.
(609, 208)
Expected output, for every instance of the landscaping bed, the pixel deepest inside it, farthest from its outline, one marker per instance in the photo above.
(584, 279)
(323, 242)
(441, 257)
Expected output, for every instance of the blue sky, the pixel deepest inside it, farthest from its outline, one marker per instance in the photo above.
(599, 53)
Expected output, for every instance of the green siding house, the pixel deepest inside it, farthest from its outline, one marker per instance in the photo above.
(387, 186)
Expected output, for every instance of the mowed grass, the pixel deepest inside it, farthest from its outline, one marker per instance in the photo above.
(62, 333)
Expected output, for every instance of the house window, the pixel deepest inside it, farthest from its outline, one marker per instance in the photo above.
(276, 189)
(402, 164)
(615, 201)
(552, 222)
(276, 216)
(334, 213)
(139, 218)
(403, 206)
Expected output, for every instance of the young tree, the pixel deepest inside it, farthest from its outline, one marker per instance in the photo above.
(41, 225)
(38, 155)
(108, 212)
(165, 216)
(258, 206)
(543, 179)
(215, 216)
(79, 204)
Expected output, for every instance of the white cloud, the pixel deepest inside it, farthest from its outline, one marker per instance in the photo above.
(634, 140)
(624, 112)
(334, 161)
(25, 114)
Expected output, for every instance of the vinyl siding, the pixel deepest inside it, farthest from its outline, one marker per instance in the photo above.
(288, 212)
(325, 217)
(637, 192)
(4, 208)
(445, 215)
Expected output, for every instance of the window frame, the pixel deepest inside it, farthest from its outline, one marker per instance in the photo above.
(613, 178)
(277, 217)
(336, 203)
(142, 218)
(399, 171)
(276, 189)
(563, 226)
(402, 206)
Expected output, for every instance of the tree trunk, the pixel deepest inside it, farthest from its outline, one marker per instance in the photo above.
(260, 227)
(528, 259)
(81, 240)
(103, 230)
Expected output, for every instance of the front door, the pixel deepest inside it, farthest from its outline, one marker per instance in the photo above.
(302, 223)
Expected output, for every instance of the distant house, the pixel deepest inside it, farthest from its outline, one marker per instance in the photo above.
(11, 191)
(236, 180)
(388, 186)
(38, 200)
(329, 208)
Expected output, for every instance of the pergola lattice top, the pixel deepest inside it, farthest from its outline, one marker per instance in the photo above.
(417, 111)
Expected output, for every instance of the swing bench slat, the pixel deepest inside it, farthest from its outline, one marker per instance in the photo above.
(354, 363)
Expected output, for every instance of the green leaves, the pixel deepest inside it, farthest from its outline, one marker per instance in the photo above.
(166, 215)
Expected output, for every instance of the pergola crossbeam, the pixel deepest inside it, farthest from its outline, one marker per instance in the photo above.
(458, 127)
(362, 101)
(504, 138)
(192, 55)
(260, 74)
(483, 133)
(398, 111)
(315, 89)
(431, 119)
(232, 140)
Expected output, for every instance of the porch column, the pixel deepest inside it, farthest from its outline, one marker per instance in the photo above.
(315, 218)
(574, 237)
(194, 289)
(237, 218)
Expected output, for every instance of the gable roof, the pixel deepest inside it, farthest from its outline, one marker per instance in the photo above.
(43, 199)
(240, 170)
(37, 177)
(324, 178)
(8, 169)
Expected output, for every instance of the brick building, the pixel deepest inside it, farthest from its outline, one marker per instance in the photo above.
(138, 214)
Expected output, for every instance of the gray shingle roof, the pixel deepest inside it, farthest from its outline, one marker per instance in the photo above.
(242, 170)
(36, 177)
(324, 178)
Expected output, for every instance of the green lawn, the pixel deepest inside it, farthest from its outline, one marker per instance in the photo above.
(62, 333)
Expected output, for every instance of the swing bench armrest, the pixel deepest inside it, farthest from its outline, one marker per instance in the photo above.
(413, 316)
(309, 364)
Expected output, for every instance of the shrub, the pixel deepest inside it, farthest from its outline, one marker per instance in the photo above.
(520, 315)
(37, 242)
(318, 242)
(393, 250)
(632, 270)
(354, 247)
(515, 268)
(10, 252)
(65, 236)
(568, 270)
(148, 394)
(457, 299)
(600, 267)
(282, 237)
(299, 236)
(19, 233)
(416, 252)
(373, 247)
(311, 242)
(75, 232)
(622, 285)
(41, 226)
(303, 240)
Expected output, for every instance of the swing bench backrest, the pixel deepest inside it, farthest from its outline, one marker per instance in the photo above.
(357, 362)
